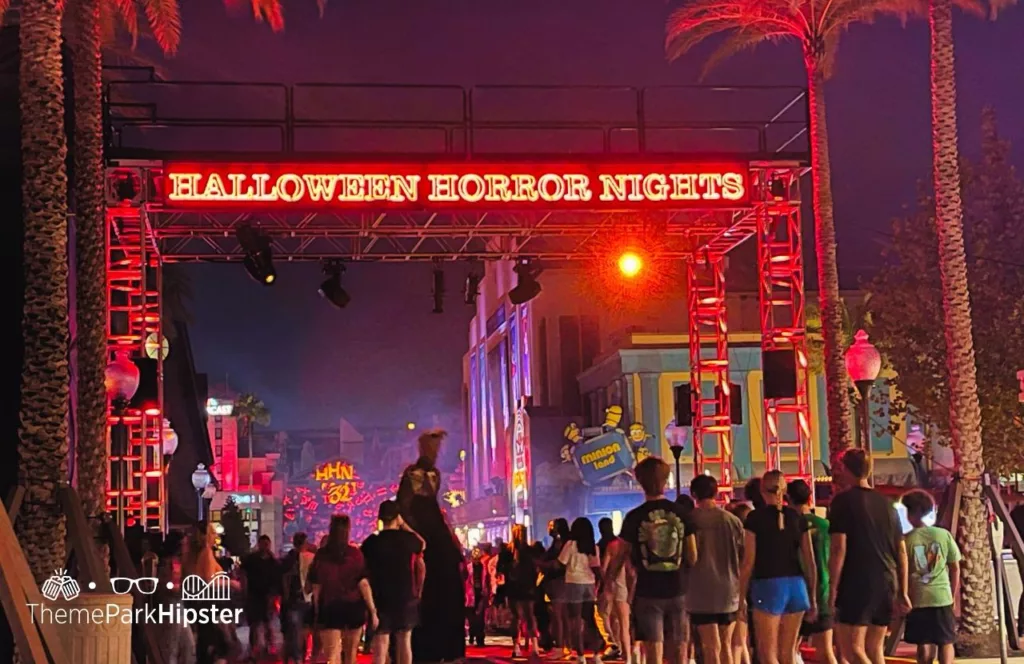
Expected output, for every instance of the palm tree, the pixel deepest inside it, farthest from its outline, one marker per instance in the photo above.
(250, 411)
(816, 25)
(43, 435)
(979, 635)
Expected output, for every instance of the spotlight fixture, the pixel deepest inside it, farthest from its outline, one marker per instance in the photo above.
(259, 259)
(331, 289)
(630, 264)
(777, 188)
(472, 287)
(527, 287)
(438, 290)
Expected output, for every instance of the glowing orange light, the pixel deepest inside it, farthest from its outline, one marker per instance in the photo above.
(630, 264)
(269, 279)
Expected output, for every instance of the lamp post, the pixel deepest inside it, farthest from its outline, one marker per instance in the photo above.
(677, 451)
(200, 481)
(122, 382)
(864, 363)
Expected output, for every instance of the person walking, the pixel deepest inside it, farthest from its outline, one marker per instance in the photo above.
(478, 594)
(818, 632)
(396, 571)
(582, 571)
(658, 539)
(778, 569)
(295, 602)
(341, 594)
(934, 571)
(260, 574)
(554, 585)
(516, 563)
(613, 603)
(713, 598)
(868, 563)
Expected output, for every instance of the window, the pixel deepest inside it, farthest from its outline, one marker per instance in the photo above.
(218, 419)
(218, 433)
(218, 449)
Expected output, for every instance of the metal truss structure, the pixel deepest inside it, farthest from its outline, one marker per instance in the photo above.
(783, 328)
(135, 481)
(709, 368)
(150, 122)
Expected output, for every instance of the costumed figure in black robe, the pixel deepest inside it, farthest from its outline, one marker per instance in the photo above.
(441, 634)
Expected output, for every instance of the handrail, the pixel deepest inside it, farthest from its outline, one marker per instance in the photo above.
(468, 120)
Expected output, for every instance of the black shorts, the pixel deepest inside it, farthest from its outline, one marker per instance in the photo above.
(865, 605)
(934, 626)
(822, 624)
(397, 618)
(698, 619)
(342, 615)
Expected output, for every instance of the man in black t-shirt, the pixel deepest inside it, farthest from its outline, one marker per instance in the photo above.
(868, 564)
(395, 565)
(659, 541)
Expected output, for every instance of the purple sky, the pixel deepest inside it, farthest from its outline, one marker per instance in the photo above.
(313, 364)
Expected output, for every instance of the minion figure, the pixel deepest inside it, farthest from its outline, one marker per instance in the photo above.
(612, 418)
(565, 454)
(573, 433)
(638, 436)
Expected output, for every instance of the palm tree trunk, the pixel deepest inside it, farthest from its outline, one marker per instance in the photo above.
(979, 635)
(248, 429)
(829, 301)
(43, 435)
(90, 249)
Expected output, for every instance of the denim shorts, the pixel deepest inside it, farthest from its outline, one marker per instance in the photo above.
(779, 596)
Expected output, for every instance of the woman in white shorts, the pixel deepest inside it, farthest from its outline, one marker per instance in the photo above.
(615, 602)
(582, 568)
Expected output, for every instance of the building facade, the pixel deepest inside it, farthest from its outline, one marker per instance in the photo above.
(570, 359)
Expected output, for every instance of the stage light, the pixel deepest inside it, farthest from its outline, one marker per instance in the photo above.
(331, 289)
(777, 188)
(472, 287)
(527, 287)
(411, 426)
(630, 264)
(259, 258)
(438, 290)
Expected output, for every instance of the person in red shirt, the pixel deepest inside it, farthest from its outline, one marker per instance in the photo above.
(341, 594)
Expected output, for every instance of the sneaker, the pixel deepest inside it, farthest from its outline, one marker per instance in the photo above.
(597, 659)
(516, 652)
(613, 652)
(581, 660)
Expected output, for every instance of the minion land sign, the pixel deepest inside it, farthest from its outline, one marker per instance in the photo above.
(601, 453)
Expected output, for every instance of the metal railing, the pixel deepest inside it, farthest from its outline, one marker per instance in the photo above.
(147, 114)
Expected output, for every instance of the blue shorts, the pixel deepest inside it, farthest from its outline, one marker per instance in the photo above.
(787, 594)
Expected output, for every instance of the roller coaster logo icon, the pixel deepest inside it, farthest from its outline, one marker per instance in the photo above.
(194, 588)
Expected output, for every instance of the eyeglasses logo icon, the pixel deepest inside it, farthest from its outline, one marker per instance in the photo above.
(122, 585)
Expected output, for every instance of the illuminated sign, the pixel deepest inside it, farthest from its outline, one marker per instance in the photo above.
(455, 497)
(582, 186)
(520, 460)
(338, 481)
(215, 408)
(603, 457)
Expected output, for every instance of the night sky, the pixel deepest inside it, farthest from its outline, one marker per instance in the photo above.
(386, 358)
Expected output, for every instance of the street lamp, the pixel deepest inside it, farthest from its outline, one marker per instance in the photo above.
(864, 363)
(677, 451)
(121, 380)
(200, 480)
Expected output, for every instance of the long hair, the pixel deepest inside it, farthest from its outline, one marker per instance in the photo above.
(337, 536)
(519, 543)
(561, 528)
(582, 532)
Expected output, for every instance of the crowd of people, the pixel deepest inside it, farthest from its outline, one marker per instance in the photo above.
(683, 579)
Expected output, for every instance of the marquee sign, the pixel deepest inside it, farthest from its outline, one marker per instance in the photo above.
(456, 185)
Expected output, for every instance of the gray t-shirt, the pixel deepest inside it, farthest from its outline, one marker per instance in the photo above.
(715, 579)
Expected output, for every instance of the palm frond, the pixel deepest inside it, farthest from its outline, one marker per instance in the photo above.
(741, 41)
(165, 23)
(4, 6)
(127, 13)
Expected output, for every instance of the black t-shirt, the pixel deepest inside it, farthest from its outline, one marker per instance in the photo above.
(262, 574)
(873, 535)
(778, 549)
(656, 532)
(389, 558)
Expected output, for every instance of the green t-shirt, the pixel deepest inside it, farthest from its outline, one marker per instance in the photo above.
(930, 550)
(822, 541)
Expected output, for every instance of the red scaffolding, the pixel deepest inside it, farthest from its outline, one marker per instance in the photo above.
(709, 369)
(135, 486)
(144, 230)
(788, 441)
